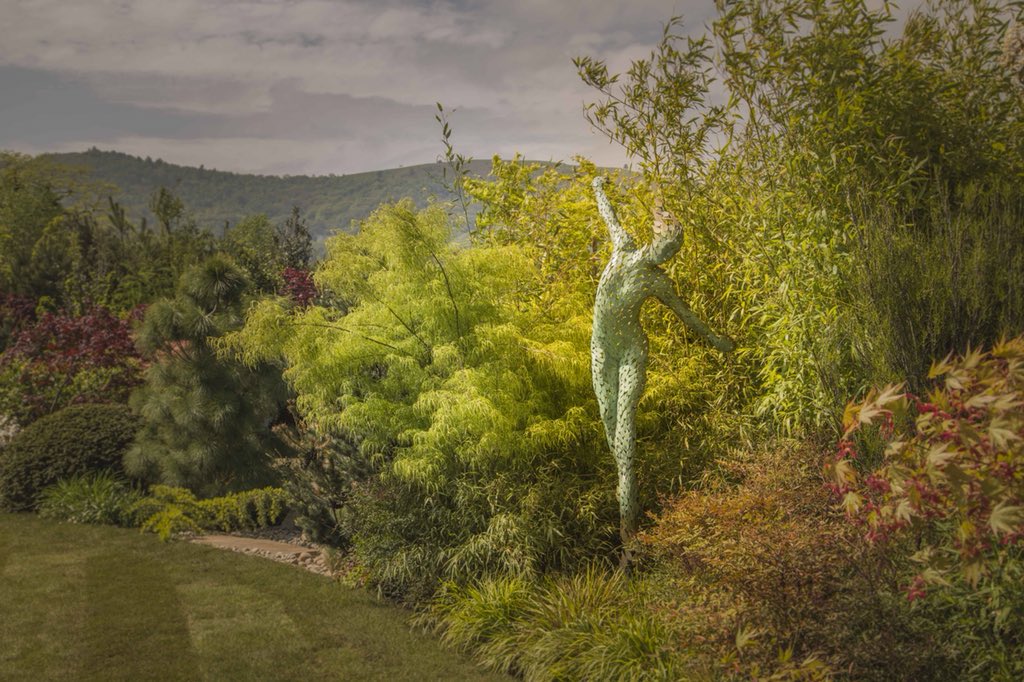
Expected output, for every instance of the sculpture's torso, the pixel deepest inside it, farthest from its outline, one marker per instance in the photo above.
(628, 280)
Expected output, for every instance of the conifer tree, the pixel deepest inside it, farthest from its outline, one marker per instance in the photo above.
(29, 203)
(295, 242)
(254, 244)
(206, 420)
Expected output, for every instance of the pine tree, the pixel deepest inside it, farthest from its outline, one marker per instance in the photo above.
(206, 419)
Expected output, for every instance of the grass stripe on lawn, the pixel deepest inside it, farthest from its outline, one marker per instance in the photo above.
(135, 624)
(101, 603)
(41, 619)
(227, 620)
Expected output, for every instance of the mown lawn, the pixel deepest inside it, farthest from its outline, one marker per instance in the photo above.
(100, 603)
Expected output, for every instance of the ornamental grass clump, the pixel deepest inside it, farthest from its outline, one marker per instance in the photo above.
(593, 625)
(100, 498)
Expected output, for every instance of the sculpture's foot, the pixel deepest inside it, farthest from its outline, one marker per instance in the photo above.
(627, 533)
(626, 561)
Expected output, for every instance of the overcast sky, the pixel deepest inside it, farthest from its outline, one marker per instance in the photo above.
(314, 86)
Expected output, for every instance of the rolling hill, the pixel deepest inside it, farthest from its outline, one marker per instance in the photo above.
(328, 202)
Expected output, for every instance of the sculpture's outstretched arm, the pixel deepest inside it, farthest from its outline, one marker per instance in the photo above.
(665, 291)
(620, 238)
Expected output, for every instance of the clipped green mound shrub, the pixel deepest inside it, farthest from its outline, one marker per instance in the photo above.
(70, 442)
(91, 498)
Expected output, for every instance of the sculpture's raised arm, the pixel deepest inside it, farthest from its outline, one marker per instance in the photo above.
(620, 238)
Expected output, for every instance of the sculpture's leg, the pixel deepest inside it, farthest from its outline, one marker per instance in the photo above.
(632, 373)
(606, 387)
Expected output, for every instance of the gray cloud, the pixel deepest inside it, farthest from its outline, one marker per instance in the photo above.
(42, 108)
(314, 86)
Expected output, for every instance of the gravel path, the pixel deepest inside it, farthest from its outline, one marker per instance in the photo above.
(278, 545)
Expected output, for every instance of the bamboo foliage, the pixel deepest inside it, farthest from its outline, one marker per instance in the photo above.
(471, 399)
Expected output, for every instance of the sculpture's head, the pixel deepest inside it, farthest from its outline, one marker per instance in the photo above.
(668, 235)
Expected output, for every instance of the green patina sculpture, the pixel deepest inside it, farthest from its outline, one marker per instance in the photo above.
(618, 344)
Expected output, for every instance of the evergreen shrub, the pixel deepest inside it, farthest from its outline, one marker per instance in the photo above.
(76, 440)
(320, 478)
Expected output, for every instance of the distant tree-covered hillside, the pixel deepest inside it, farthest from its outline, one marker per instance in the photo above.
(328, 202)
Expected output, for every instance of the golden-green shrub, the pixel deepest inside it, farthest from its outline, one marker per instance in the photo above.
(167, 511)
(247, 510)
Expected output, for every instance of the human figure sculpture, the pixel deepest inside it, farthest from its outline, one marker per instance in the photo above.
(618, 344)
